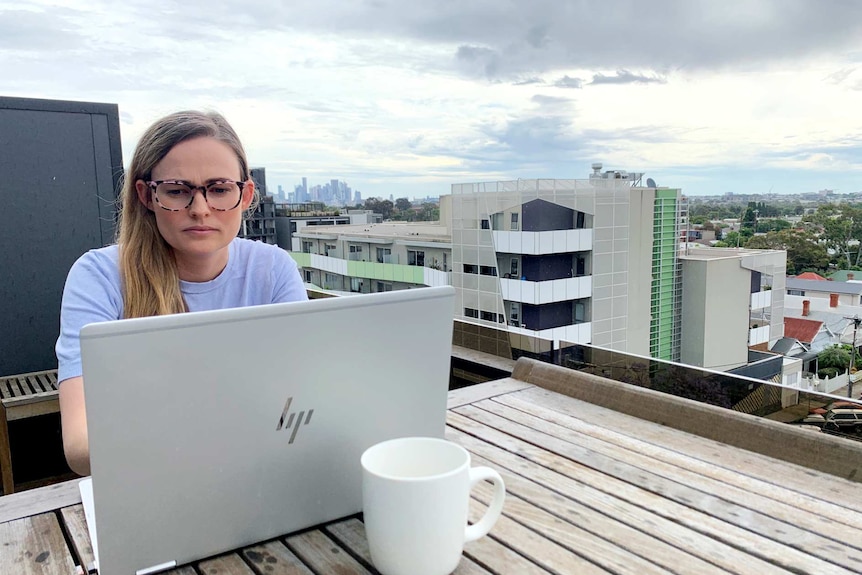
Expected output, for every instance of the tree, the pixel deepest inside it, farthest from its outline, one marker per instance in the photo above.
(838, 357)
(382, 207)
(804, 251)
(402, 204)
(841, 227)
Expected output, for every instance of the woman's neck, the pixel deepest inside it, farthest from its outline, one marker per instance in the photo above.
(202, 268)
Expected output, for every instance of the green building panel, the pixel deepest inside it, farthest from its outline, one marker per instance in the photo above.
(665, 282)
(373, 270)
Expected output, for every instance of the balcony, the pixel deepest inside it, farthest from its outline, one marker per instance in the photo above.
(543, 243)
(538, 293)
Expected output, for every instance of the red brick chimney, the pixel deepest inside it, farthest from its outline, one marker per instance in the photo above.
(833, 300)
(806, 307)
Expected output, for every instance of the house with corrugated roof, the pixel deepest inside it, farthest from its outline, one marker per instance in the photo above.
(843, 293)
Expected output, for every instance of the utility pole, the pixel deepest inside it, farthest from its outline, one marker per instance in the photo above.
(856, 321)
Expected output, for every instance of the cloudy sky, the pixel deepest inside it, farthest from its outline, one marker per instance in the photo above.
(406, 97)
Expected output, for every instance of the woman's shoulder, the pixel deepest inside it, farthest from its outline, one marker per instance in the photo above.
(105, 259)
(97, 267)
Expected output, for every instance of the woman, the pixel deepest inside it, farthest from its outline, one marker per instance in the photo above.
(183, 199)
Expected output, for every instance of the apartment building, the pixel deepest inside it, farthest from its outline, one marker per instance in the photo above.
(728, 292)
(594, 261)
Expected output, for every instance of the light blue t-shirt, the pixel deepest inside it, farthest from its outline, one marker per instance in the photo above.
(256, 274)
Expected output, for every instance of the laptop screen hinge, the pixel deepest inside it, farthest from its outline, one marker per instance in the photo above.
(156, 568)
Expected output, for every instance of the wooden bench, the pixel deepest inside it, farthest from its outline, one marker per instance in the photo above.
(23, 396)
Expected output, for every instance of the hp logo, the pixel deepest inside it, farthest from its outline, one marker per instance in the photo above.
(293, 419)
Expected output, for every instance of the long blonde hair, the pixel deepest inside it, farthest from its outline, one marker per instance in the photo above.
(148, 269)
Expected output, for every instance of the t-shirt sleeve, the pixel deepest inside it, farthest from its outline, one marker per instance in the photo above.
(287, 284)
(91, 294)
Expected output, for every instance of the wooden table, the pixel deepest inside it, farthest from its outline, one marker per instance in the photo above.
(589, 491)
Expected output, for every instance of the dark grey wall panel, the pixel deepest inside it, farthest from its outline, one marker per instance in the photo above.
(549, 267)
(60, 164)
(544, 216)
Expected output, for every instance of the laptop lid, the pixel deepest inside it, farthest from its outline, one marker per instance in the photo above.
(213, 430)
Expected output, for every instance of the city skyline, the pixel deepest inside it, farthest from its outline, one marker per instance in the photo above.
(405, 98)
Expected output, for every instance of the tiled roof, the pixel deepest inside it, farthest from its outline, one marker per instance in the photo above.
(811, 276)
(805, 330)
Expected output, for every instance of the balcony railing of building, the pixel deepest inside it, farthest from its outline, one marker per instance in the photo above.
(793, 402)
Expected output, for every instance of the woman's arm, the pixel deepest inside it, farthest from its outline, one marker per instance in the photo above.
(73, 418)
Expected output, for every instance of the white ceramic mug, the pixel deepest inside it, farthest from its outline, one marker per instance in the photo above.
(416, 497)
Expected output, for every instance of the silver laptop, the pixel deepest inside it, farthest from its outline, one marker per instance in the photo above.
(214, 430)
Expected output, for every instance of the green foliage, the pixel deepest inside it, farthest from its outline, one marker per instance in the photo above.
(804, 251)
(837, 357)
(827, 373)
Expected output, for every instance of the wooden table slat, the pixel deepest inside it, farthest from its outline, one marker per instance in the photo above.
(41, 500)
(351, 534)
(322, 554)
(231, 564)
(635, 453)
(34, 546)
(655, 538)
(473, 393)
(781, 521)
(526, 551)
(614, 546)
(76, 527)
(639, 488)
(832, 493)
(274, 558)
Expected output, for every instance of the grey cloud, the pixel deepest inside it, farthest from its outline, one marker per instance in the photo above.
(528, 38)
(569, 82)
(626, 77)
(528, 81)
(840, 75)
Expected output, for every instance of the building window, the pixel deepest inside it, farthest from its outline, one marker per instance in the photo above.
(330, 281)
(580, 265)
(580, 220)
(381, 287)
(514, 225)
(307, 246)
(355, 285)
(470, 312)
(471, 269)
(415, 258)
(445, 266)
(515, 313)
(580, 312)
(356, 253)
(487, 270)
(486, 225)
(516, 264)
(795, 292)
(489, 316)
(384, 256)
(329, 249)
(308, 275)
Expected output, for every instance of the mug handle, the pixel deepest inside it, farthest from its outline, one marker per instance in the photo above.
(480, 529)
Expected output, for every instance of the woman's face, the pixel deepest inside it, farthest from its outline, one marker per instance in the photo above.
(199, 234)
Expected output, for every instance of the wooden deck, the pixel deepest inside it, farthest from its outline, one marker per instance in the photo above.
(590, 491)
